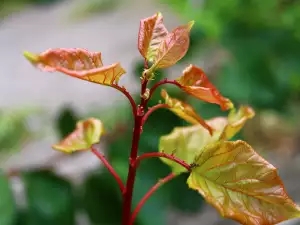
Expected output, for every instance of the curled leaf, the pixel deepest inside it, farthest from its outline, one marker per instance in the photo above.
(186, 142)
(78, 63)
(184, 111)
(236, 121)
(241, 184)
(195, 82)
(87, 133)
(173, 47)
(151, 33)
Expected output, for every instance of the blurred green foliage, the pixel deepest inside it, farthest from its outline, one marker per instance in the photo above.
(13, 123)
(262, 39)
(9, 6)
(7, 203)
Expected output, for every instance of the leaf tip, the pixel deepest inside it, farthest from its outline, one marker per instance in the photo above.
(191, 24)
(33, 58)
(158, 14)
(57, 147)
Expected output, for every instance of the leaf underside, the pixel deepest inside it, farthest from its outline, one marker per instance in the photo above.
(195, 82)
(78, 63)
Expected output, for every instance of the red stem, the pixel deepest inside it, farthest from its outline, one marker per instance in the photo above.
(163, 155)
(152, 109)
(165, 81)
(110, 168)
(149, 193)
(139, 114)
(126, 93)
(139, 119)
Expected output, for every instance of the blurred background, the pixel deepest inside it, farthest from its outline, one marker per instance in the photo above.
(249, 49)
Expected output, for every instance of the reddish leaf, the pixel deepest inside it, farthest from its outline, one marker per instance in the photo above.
(173, 47)
(152, 32)
(195, 82)
(241, 184)
(78, 63)
(87, 133)
(184, 111)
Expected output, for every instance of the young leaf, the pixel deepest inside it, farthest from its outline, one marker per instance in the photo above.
(236, 121)
(152, 32)
(173, 47)
(241, 184)
(186, 142)
(87, 133)
(184, 111)
(195, 82)
(78, 63)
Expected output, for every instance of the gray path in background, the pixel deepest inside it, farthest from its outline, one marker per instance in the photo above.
(115, 35)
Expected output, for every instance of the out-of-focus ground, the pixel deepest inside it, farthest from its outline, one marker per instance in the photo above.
(38, 28)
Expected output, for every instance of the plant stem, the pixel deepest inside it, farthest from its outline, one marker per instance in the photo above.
(152, 109)
(165, 81)
(139, 119)
(149, 193)
(126, 93)
(162, 155)
(138, 127)
(131, 172)
(110, 168)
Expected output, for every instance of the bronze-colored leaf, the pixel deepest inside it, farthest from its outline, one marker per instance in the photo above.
(87, 133)
(241, 184)
(78, 63)
(173, 47)
(151, 33)
(195, 82)
(184, 111)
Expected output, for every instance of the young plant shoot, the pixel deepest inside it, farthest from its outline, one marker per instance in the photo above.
(230, 175)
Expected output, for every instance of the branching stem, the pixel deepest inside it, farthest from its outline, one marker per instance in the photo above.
(109, 167)
(162, 155)
(162, 82)
(152, 109)
(126, 93)
(149, 193)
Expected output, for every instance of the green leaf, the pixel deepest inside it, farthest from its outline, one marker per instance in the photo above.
(241, 184)
(49, 198)
(102, 199)
(185, 142)
(7, 202)
(87, 133)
